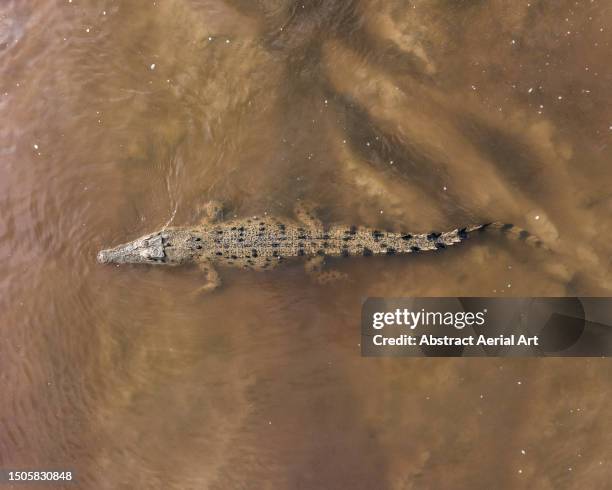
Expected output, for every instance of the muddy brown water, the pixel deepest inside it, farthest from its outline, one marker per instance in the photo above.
(120, 117)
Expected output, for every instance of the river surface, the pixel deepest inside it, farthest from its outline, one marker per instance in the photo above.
(120, 117)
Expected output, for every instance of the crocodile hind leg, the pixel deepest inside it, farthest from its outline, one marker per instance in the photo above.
(213, 281)
(210, 212)
(314, 268)
(306, 215)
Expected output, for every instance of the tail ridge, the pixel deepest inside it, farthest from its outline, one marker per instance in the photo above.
(508, 229)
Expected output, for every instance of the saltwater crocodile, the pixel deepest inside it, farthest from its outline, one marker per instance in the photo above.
(261, 243)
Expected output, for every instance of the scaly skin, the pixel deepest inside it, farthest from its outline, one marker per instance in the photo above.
(261, 243)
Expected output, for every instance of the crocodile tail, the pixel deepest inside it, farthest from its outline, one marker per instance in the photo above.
(508, 229)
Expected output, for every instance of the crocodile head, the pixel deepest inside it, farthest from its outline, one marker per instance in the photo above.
(148, 249)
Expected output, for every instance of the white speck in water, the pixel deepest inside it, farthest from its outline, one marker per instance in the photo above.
(522, 451)
(444, 187)
(537, 217)
(530, 90)
(519, 382)
(87, 30)
(509, 285)
(35, 146)
(520, 471)
(227, 41)
(152, 66)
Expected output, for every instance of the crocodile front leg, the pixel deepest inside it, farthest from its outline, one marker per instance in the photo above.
(211, 276)
(314, 268)
(305, 214)
(210, 212)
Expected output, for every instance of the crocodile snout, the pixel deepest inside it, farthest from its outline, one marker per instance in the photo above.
(145, 250)
(103, 256)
